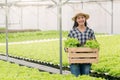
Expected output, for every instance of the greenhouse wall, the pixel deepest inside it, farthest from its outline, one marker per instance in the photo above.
(45, 17)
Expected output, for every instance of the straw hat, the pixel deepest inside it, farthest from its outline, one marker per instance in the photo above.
(80, 14)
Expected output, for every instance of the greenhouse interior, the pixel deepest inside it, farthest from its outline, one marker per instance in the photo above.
(35, 42)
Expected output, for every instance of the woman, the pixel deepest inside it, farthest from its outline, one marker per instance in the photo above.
(82, 32)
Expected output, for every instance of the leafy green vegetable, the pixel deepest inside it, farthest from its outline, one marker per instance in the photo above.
(92, 44)
(9, 71)
(71, 42)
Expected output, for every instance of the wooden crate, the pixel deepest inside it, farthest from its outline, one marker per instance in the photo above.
(82, 55)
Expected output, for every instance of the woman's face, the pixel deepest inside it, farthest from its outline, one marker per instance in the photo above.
(80, 20)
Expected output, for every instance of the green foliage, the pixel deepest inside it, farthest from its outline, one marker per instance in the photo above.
(92, 44)
(2, 28)
(71, 42)
(2, 37)
(109, 55)
(25, 36)
(10, 71)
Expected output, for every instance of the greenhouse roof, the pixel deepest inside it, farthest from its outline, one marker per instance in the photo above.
(46, 2)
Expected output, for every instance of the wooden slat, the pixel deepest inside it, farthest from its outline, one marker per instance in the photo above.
(72, 50)
(82, 55)
(83, 61)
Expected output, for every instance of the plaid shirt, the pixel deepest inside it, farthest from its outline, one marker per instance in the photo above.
(82, 36)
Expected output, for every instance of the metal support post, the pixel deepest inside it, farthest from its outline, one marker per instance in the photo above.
(6, 22)
(59, 10)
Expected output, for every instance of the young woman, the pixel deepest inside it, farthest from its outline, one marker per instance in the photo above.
(82, 32)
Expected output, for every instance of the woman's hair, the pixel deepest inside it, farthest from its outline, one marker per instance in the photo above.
(76, 24)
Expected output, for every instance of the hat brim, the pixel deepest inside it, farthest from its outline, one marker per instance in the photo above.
(80, 14)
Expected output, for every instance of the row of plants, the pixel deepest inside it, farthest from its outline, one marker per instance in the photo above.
(108, 59)
(104, 46)
(109, 55)
(24, 36)
(10, 71)
(2, 28)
